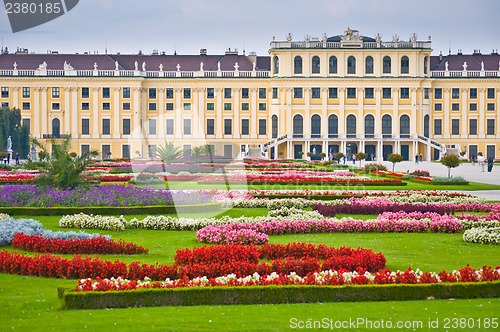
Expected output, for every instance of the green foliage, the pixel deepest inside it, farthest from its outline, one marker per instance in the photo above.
(449, 180)
(395, 158)
(372, 167)
(450, 161)
(168, 152)
(339, 156)
(10, 125)
(360, 156)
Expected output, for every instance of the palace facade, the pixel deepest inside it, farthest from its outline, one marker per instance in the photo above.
(346, 93)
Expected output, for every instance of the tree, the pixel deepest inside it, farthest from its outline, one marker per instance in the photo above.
(395, 158)
(197, 152)
(10, 125)
(360, 156)
(450, 161)
(168, 152)
(339, 156)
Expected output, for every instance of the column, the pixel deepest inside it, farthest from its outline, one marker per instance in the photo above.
(178, 114)
(44, 109)
(307, 113)
(201, 113)
(378, 115)
(137, 133)
(116, 113)
(162, 122)
(236, 113)
(95, 113)
(342, 129)
(481, 107)
(74, 112)
(413, 117)
(324, 117)
(194, 113)
(36, 108)
(254, 113)
(219, 123)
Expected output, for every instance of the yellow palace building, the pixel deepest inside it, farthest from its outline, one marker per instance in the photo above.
(346, 93)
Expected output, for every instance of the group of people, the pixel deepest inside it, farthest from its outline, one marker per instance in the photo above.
(481, 160)
(418, 158)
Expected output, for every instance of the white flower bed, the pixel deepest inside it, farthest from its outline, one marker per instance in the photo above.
(3, 216)
(82, 220)
(482, 235)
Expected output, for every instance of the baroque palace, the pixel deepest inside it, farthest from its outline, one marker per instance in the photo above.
(346, 93)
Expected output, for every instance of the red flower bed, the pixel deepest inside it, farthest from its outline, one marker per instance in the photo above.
(96, 245)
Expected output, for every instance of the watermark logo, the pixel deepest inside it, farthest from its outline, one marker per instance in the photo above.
(25, 15)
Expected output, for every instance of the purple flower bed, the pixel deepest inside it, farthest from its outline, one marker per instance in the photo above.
(31, 195)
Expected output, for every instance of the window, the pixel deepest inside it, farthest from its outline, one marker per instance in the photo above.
(126, 126)
(276, 62)
(369, 65)
(404, 126)
(5, 104)
(228, 151)
(455, 126)
(315, 93)
(262, 106)
(228, 126)
(333, 93)
(187, 126)
(490, 151)
(26, 123)
(170, 127)
(85, 93)
(426, 93)
(426, 64)
(126, 151)
(106, 106)
(85, 126)
(333, 126)
(438, 93)
(262, 93)
(5, 92)
(169, 93)
(106, 126)
(473, 127)
(351, 65)
(126, 106)
(245, 106)
(245, 126)
(56, 92)
(490, 127)
(106, 92)
(210, 126)
(126, 93)
(187, 93)
(315, 65)
(332, 65)
(297, 65)
(405, 65)
(227, 106)
(244, 93)
(105, 151)
(85, 106)
(26, 92)
(227, 93)
(210, 106)
(152, 106)
(26, 105)
(151, 150)
(169, 106)
(56, 106)
(369, 94)
(210, 93)
(56, 128)
(152, 126)
(473, 107)
(386, 126)
(386, 65)
(386, 93)
(351, 125)
(297, 92)
(438, 107)
(438, 127)
(262, 127)
(426, 125)
(85, 149)
(490, 93)
(275, 93)
(455, 107)
(405, 93)
(455, 93)
(369, 126)
(351, 93)
(473, 93)
(186, 106)
(274, 126)
(315, 126)
(298, 126)
(490, 106)
(152, 93)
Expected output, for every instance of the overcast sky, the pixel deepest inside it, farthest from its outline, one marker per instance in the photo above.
(128, 26)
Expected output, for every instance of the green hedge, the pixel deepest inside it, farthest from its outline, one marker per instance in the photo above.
(108, 210)
(274, 295)
(451, 183)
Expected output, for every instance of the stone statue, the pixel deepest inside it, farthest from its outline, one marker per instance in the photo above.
(117, 65)
(218, 66)
(378, 38)
(136, 65)
(144, 66)
(67, 66)
(395, 38)
(178, 67)
(95, 66)
(289, 37)
(413, 38)
(314, 151)
(15, 65)
(348, 33)
(236, 66)
(324, 38)
(446, 65)
(465, 65)
(482, 65)
(43, 66)
(307, 38)
(254, 65)
(161, 66)
(9, 144)
(201, 66)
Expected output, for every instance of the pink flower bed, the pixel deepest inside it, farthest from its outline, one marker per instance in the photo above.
(7, 176)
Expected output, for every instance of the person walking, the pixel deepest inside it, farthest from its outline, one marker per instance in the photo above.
(490, 164)
(416, 159)
(480, 161)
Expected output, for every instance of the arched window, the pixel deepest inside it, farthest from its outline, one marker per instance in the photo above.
(404, 126)
(369, 126)
(387, 126)
(351, 65)
(274, 126)
(315, 126)
(351, 125)
(276, 65)
(369, 65)
(386, 65)
(297, 65)
(426, 126)
(333, 126)
(332, 65)
(426, 61)
(298, 126)
(56, 128)
(405, 65)
(315, 65)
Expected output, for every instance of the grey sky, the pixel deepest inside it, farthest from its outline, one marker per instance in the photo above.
(128, 26)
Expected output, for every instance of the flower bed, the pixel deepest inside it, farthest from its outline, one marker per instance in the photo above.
(16, 177)
(483, 235)
(94, 245)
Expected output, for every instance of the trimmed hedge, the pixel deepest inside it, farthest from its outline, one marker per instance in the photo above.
(191, 296)
(108, 210)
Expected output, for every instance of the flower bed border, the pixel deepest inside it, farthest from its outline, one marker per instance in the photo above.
(274, 295)
(108, 210)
